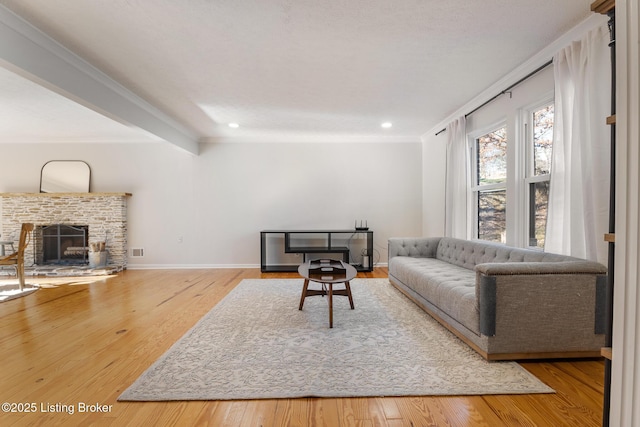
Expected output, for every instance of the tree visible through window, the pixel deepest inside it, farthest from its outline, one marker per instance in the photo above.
(490, 184)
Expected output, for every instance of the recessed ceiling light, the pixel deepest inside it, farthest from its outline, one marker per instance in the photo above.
(386, 125)
(234, 125)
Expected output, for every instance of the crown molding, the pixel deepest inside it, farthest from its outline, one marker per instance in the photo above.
(319, 138)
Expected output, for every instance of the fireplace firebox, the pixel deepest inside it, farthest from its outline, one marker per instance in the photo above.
(62, 244)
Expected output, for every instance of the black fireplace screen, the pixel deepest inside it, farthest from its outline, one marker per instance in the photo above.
(64, 244)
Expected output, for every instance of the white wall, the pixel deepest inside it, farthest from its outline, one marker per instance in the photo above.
(218, 202)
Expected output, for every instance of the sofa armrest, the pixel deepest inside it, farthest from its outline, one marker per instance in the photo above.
(417, 247)
(555, 301)
(557, 267)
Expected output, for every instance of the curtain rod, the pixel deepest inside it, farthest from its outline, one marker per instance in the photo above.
(536, 71)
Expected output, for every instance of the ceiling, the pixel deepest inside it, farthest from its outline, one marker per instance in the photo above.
(281, 69)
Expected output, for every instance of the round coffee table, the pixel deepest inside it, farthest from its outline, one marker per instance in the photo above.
(327, 273)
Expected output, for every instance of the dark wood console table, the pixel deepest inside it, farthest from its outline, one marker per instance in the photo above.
(280, 249)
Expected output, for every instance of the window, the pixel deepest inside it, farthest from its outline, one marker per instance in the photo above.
(490, 184)
(538, 177)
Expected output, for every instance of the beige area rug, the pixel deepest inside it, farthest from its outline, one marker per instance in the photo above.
(256, 344)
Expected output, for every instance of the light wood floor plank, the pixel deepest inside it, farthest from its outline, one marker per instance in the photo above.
(88, 343)
(259, 413)
(465, 411)
(293, 412)
(324, 413)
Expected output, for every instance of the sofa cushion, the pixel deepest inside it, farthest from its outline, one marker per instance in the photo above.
(415, 247)
(449, 287)
(469, 253)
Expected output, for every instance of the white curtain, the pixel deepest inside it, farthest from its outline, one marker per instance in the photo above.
(579, 196)
(456, 191)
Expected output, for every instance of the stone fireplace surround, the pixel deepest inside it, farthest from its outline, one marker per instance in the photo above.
(104, 213)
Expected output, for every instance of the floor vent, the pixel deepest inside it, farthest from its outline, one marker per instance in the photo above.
(137, 252)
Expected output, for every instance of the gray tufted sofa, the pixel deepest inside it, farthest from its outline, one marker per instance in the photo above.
(505, 302)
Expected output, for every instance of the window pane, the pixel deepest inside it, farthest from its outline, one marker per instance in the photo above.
(542, 140)
(538, 202)
(492, 218)
(492, 157)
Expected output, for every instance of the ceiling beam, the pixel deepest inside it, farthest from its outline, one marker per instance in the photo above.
(32, 54)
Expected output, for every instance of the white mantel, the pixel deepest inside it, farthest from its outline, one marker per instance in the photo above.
(104, 213)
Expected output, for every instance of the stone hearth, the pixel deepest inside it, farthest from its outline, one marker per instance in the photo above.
(104, 213)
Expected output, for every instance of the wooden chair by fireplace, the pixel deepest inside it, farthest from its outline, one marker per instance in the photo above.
(17, 258)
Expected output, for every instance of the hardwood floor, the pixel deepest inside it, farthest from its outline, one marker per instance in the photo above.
(84, 344)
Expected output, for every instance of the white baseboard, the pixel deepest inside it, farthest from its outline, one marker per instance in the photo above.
(201, 266)
(188, 266)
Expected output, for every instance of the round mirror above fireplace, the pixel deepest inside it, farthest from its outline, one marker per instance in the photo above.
(65, 176)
